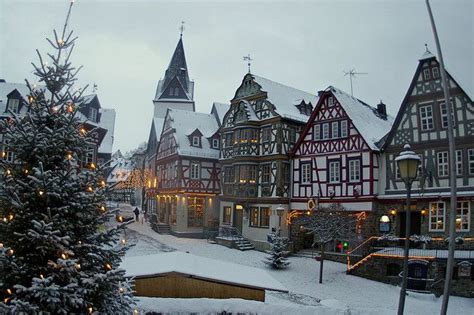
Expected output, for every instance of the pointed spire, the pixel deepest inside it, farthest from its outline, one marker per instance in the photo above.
(177, 67)
(427, 54)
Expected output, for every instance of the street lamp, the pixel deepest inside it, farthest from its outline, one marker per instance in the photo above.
(279, 210)
(407, 163)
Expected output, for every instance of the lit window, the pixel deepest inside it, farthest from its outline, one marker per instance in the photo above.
(426, 74)
(317, 132)
(443, 164)
(334, 172)
(463, 216)
(458, 162)
(195, 170)
(343, 128)
(471, 161)
(435, 71)
(335, 129)
(264, 216)
(254, 216)
(354, 170)
(426, 117)
(305, 173)
(437, 216)
(325, 131)
(196, 141)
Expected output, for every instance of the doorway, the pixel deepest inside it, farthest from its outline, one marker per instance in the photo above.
(415, 223)
(238, 217)
(417, 275)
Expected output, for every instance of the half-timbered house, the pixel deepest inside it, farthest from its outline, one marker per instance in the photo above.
(188, 173)
(257, 135)
(422, 122)
(336, 159)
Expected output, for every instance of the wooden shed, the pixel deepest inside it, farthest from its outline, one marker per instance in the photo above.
(183, 275)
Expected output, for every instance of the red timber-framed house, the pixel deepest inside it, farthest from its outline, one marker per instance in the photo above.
(175, 91)
(188, 173)
(257, 135)
(336, 159)
(422, 123)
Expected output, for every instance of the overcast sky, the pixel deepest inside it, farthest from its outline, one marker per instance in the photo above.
(125, 47)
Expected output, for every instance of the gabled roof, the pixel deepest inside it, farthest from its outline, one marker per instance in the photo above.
(7, 88)
(366, 119)
(184, 123)
(219, 109)
(428, 56)
(284, 98)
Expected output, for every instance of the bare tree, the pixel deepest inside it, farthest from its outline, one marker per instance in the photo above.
(328, 224)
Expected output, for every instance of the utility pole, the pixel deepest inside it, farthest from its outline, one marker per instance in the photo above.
(452, 170)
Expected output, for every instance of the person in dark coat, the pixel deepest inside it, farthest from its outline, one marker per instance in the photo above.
(137, 212)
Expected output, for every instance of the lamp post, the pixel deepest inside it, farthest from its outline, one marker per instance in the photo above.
(279, 210)
(407, 163)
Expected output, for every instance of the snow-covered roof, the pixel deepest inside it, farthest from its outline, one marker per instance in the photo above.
(200, 267)
(221, 109)
(6, 88)
(367, 120)
(122, 169)
(86, 99)
(285, 98)
(158, 124)
(427, 55)
(185, 123)
(107, 121)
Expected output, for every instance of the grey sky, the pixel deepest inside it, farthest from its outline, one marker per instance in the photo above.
(125, 47)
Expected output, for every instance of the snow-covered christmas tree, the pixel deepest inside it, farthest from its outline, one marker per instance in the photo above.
(59, 253)
(277, 255)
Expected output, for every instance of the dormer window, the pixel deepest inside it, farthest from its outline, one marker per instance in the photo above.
(93, 114)
(215, 143)
(196, 141)
(176, 91)
(435, 71)
(14, 105)
(426, 74)
(330, 101)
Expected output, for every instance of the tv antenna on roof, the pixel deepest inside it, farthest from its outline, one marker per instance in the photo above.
(352, 74)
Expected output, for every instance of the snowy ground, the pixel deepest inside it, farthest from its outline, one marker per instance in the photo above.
(339, 294)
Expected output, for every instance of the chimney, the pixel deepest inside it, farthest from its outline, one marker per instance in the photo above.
(382, 110)
(320, 93)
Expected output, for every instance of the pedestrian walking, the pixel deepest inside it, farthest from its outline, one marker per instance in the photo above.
(137, 212)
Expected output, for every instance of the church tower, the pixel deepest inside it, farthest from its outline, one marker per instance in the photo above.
(175, 90)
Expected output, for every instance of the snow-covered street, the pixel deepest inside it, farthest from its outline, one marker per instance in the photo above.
(339, 294)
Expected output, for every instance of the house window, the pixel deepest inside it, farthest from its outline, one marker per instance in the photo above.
(228, 140)
(343, 128)
(354, 170)
(266, 175)
(426, 74)
(254, 216)
(325, 131)
(93, 114)
(226, 215)
(305, 173)
(335, 129)
(195, 170)
(330, 101)
(317, 132)
(252, 174)
(426, 117)
(8, 154)
(215, 143)
(443, 164)
(292, 135)
(195, 212)
(196, 141)
(463, 216)
(435, 71)
(444, 115)
(334, 172)
(88, 156)
(13, 105)
(266, 134)
(285, 173)
(176, 91)
(437, 216)
(471, 161)
(264, 216)
(458, 162)
(228, 174)
(246, 173)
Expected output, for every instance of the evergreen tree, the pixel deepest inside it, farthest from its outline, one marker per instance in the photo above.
(59, 253)
(277, 255)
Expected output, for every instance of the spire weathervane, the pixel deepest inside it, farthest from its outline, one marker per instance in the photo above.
(181, 28)
(248, 59)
